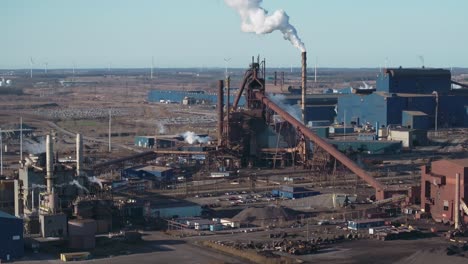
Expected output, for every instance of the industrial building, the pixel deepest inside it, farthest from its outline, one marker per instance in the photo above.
(48, 192)
(365, 223)
(144, 141)
(167, 207)
(369, 146)
(293, 192)
(412, 97)
(149, 172)
(11, 237)
(196, 97)
(439, 193)
(156, 142)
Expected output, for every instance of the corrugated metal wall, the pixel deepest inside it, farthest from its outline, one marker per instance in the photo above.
(11, 238)
(389, 109)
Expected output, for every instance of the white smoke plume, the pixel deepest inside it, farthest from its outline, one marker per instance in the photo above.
(192, 138)
(77, 184)
(161, 128)
(35, 148)
(95, 180)
(293, 110)
(256, 20)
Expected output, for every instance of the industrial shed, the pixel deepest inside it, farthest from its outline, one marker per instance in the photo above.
(11, 237)
(144, 141)
(166, 207)
(293, 192)
(149, 172)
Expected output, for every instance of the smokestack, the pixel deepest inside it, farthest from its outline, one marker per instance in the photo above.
(304, 84)
(457, 202)
(79, 154)
(220, 111)
(282, 80)
(49, 163)
(228, 88)
(275, 77)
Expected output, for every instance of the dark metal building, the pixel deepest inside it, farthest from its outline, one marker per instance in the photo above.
(398, 90)
(11, 237)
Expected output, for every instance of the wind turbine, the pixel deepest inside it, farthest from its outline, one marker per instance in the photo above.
(45, 67)
(226, 60)
(421, 58)
(31, 63)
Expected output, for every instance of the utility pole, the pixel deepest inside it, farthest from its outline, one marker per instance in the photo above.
(110, 130)
(21, 139)
(436, 109)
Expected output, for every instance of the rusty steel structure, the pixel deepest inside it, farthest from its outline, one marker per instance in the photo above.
(260, 106)
(304, 85)
(220, 111)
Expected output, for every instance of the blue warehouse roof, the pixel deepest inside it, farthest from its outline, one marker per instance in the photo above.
(6, 215)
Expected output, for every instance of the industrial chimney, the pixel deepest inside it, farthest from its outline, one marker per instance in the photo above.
(304, 84)
(79, 154)
(220, 111)
(457, 202)
(49, 164)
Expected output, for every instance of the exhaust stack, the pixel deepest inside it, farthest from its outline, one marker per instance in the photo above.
(220, 111)
(457, 202)
(49, 164)
(79, 154)
(304, 84)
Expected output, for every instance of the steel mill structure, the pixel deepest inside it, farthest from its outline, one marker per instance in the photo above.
(262, 114)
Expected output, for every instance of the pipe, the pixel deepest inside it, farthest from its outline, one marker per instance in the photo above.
(220, 111)
(457, 202)
(304, 85)
(49, 163)
(323, 144)
(247, 76)
(79, 154)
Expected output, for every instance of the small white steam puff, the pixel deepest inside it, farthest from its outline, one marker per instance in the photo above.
(192, 138)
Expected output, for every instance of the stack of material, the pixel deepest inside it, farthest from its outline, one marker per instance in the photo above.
(262, 215)
(393, 233)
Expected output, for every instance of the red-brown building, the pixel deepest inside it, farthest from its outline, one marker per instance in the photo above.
(438, 188)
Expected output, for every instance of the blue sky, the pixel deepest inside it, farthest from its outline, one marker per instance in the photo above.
(196, 33)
